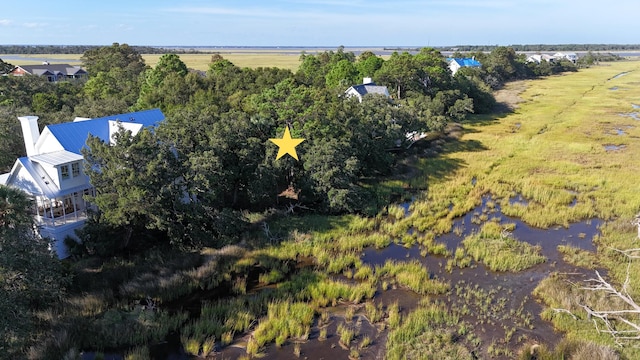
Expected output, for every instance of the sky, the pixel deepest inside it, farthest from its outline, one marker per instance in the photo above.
(320, 22)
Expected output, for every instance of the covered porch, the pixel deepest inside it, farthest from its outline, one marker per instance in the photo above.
(63, 209)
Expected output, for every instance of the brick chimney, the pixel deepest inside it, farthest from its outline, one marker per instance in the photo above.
(30, 132)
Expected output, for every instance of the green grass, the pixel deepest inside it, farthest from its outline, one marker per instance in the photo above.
(423, 334)
(284, 320)
(501, 252)
(578, 257)
(413, 276)
(194, 61)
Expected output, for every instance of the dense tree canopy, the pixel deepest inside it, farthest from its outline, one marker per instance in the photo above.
(5, 67)
(31, 279)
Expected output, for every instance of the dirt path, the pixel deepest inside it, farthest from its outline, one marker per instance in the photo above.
(508, 97)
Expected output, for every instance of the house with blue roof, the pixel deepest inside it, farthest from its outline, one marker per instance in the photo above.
(456, 64)
(52, 172)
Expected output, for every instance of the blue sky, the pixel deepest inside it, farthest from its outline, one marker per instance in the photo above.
(320, 22)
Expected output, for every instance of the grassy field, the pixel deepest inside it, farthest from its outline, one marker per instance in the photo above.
(194, 61)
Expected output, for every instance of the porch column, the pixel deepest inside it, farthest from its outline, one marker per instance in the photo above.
(64, 211)
(53, 218)
(75, 208)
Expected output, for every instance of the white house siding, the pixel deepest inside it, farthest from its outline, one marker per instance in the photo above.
(59, 233)
(47, 143)
(114, 127)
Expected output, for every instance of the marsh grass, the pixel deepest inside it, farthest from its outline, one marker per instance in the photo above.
(424, 331)
(393, 315)
(138, 353)
(414, 276)
(284, 320)
(501, 252)
(568, 349)
(578, 257)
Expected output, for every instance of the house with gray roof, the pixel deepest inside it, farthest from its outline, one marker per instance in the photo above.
(367, 87)
(53, 72)
(52, 172)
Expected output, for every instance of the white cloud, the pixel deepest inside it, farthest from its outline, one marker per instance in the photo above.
(5, 22)
(34, 25)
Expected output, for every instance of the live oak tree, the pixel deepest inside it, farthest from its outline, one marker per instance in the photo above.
(401, 72)
(105, 58)
(135, 183)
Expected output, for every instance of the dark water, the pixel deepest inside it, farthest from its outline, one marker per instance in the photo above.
(614, 147)
(514, 288)
(633, 115)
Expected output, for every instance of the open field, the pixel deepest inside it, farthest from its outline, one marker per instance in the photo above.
(252, 59)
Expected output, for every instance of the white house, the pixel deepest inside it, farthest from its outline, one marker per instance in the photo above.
(569, 56)
(367, 87)
(52, 172)
(538, 58)
(456, 64)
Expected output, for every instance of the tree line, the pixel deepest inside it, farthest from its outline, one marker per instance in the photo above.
(547, 47)
(71, 49)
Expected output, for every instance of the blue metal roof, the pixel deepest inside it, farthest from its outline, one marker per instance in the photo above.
(73, 135)
(466, 62)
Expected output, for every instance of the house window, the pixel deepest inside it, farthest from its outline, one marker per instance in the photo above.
(64, 172)
(75, 169)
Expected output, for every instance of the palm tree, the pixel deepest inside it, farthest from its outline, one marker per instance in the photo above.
(14, 209)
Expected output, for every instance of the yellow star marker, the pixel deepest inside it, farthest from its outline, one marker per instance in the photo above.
(287, 145)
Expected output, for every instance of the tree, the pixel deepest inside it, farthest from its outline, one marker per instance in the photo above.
(105, 58)
(5, 67)
(168, 85)
(399, 71)
(342, 73)
(167, 64)
(368, 63)
(11, 143)
(433, 71)
(135, 182)
(32, 278)
(333, 173)
(310, 71)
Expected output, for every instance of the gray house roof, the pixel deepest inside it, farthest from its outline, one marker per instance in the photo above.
(371, 88)
(367, 87)
(53, 69)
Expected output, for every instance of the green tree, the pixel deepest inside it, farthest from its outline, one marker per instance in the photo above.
(5, 67)
(135, 181)
(342, 74)
(11, 143)
(400, 71)
(368, 63)
(31, 278)
(310, 71)
(433, 71)
(105, 58)
(333, 173)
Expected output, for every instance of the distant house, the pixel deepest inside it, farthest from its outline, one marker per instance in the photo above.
(53, 72)
(456, 64)
(52, 172)
(573, 57)
(367, 87)
(538, 58)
